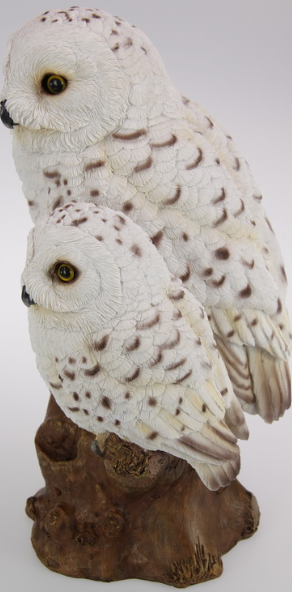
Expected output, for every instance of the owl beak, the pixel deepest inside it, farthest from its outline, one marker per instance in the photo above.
(26, 299)
(5, 117)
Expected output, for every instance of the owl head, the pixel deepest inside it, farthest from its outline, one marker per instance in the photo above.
(83, 261)
(77, 72)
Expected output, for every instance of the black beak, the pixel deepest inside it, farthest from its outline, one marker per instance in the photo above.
(5, 117)
(26, 299)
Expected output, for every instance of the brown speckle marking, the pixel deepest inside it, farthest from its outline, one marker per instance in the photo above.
(246, 292)
(101, 344)
(220, 282)
(249, 264)
(80, 221)
(97, 16)
(208, 271)
(43, 19)
(71, 360)
(220, 197)
(144, 165)
(85, 411)
(217, 160)
(211, 124)
(134, 345)
(185, 100)
(269, 225)
(204, 407)
(221, 219)
(148, 324)
(152, 402)
(91, 166)
(69, 192)
(99, 418)
(176, 295)
(114, 32)
(117, 422)
(143, 48)
(186, 276)
(165, 144)
(127, 395)
(177, 411)
(174, 199)
(127, 207)
(258, 197)
(99, 238)
(230, 334)
(196, 162)
(74, 409)
(237, 318)
(152, 436)
(55, 386)
(283, 272)
(280, 307)
(132, 136)
(128, 43)
(224, 392)
(222, 253)
(156, 360)
(86, 20)
(92, 371)
(94, 192)
(31, 203)
(254, 322)
(241, 209)
(119, 241)
(136, 250)
(156, 239)
(133, 376)
(84, 360)
(70, 375)
(116, 47)
(175, 365)
(51, 174)
(185, 237)
(106, 402)
(88, 395)
(173, 342)
(236, 164)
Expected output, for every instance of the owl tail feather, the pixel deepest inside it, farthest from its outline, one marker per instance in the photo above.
(260, 381)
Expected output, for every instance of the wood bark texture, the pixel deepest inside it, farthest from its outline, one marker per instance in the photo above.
(130, 513)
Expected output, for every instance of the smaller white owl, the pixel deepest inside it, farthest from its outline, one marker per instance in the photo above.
(123, 346)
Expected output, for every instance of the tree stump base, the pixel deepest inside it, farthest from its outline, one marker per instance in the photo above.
(130, 513)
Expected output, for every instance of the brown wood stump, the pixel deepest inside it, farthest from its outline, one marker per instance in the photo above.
(130, 513)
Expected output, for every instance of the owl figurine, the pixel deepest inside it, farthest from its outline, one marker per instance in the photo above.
(123, 346)
(95, 117)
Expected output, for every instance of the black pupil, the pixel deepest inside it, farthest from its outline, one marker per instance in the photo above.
(56, 85)
(65, 272)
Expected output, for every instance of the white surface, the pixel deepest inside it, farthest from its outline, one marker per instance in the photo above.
(234, 57)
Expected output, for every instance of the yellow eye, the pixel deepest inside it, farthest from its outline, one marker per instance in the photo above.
(65, 272)
(54, 84)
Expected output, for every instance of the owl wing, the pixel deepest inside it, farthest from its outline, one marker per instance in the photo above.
(166, 388)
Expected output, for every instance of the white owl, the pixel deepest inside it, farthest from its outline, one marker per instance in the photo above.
(125, 348)
(95, 117)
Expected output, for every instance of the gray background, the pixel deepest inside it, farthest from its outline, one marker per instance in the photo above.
(234, 57)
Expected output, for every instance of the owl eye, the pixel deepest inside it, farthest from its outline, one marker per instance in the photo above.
(65, 272)
(54, 84)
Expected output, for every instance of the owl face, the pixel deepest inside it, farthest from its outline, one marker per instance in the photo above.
(89, 262)
(61, 78)
(69, 271)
